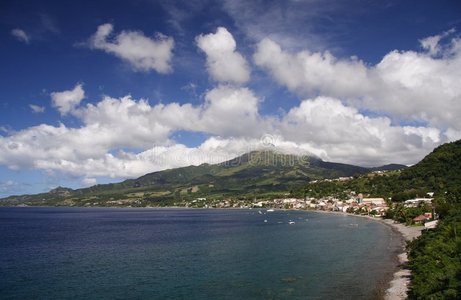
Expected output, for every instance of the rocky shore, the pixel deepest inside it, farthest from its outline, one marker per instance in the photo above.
(399, 285)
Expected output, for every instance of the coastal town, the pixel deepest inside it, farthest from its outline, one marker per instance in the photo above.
(356, 204)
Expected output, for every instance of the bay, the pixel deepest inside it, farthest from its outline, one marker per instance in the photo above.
(108, 253)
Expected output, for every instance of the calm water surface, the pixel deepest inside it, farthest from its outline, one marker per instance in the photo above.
(102, 253)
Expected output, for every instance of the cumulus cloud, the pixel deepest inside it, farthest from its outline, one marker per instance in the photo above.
(355, 120)
(231, 112)
(67, 101)
(307, 72)
(143, 53)
(125, 122)
(124, 137)
(224, 63)
(114, 124)
(410, 86)
(344, 134)
(37, 108)
(21, 35)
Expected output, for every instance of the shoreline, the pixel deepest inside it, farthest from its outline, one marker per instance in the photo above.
(397, 288)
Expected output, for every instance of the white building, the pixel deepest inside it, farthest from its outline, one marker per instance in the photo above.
(415, 202)
(375, 201)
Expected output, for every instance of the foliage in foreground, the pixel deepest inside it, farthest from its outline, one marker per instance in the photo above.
(435, 261)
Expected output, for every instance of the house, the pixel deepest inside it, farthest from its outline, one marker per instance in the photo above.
(420, 219)
(375, 201)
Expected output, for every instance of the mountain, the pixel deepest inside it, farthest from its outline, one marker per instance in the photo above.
(261, 174)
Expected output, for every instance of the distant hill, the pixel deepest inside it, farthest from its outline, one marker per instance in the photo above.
(255, 174)
(390, 167)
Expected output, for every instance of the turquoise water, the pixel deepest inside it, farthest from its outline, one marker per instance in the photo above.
(101, 253)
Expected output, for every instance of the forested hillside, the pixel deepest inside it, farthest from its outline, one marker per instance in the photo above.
(435, 257)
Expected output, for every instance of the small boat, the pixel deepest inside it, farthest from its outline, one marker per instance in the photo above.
(291, 222)
(265, 221)
(270, 210)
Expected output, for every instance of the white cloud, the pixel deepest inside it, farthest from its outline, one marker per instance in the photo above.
(37, 108)
(126, 122)
(89, 181)
(125, 138)
(21, 35)
(143, 53)
(230, 112)
(417, 86)
(311, 73)
(407, 85)
(99, 147)
(224, 63)
(345, 135)
(67, 101)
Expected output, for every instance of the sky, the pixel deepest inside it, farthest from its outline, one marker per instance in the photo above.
(93, 92)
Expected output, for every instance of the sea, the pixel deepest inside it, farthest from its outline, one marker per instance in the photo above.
(131, 253)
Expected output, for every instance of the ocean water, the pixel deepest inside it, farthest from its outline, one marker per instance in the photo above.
(104, 253)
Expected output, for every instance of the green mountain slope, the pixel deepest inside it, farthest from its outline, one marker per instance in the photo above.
(435, 257)
(261, 174)
(439, 172)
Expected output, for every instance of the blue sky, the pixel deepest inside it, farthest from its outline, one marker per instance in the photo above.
(99, 91)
